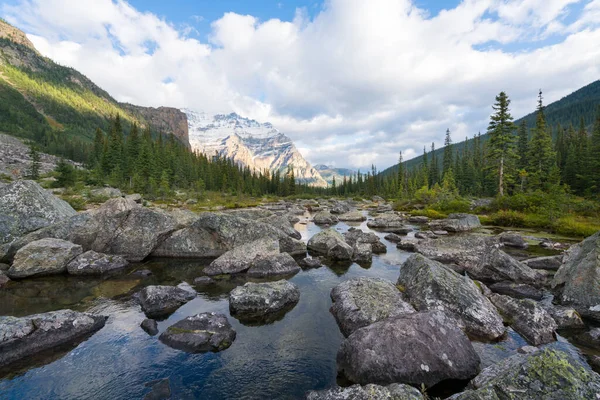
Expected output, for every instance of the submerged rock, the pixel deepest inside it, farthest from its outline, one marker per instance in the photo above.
(160, 301)
(420, 348)
(150, 326)
(331, 243)
(255, 300)
(430, 285)
(24, 337)
(526, 317)
(548, 374)
(92, 263)
(43, 257)
(360, 302)
(161, 390)
(200, 333)
(394, 391)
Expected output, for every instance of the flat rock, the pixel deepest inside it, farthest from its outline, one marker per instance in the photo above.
(360, 302)
(241, 258)
(255, 300)
(394, 391)
(517, 290)
(430, 285)
(550, 263)
(457, 223)
(200, 333)
(281, 264)
(160, 301)
(353, 216)
(421, 348)
(107, 193)
(92, 263)
(331, 244)
(43, 257)
(389, 222)
(24, 337)
(526, 317)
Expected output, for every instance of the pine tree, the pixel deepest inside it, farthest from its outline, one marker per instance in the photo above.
(34, 166)
(594, 156)
(501, 143)
(448, 152)
(401, 178)
(523, 145)
(434, 174)
(541, 153)
(65, 174)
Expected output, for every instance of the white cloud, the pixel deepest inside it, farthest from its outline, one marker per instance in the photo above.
(354, 85)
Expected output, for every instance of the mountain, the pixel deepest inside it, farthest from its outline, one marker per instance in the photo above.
(329, 172)
(40, 97)
(257, 145)
(571, 109)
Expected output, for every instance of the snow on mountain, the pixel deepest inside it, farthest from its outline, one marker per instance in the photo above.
(250, 143)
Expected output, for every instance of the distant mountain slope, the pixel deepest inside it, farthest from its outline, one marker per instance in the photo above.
(329, 172)
(36, 94)
(583, 103)
(250, 143)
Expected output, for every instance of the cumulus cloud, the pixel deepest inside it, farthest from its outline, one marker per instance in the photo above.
(353, 85)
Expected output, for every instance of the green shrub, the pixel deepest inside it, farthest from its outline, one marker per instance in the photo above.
(507, 218)
(452, 206)
(429, 213)
(77, 202)
(574, 226)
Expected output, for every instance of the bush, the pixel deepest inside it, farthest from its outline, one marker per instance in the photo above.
(573, 226)
(453, 206)
(507, 218)
(429, 213)
(77, 202)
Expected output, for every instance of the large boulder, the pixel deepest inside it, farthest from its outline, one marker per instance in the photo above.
(200, 333)
(496, 266)
(354, 236)
(389, 222)
(353, 216)
(394, 391)
(160, 301)
(420, 348)
(24, 337)
(92, 263)
(360, 302)
(457, 223)
(430, 285)
(590, 338)
(565, 317)
(511, 239)
(211, 235)
(43, 257)
(331, 244)
(548, 374)
(277, 265)
(25, 207)
(526, 317)
(578, 279)
(256, 300)
(340, 207)
(325, 218)
(464, 251)
(282, 223)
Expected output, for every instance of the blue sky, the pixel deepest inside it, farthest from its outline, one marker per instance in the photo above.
(352, 82)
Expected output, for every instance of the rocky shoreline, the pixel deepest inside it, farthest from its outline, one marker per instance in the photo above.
(461, 286)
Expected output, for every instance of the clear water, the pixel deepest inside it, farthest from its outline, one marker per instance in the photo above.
(281, 360)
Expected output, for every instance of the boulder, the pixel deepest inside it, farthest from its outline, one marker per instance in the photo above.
(3, 279)
(526, 317)
(462, 250)
(256, 300)
(511, 239)
(394, 391)
(517, 290)
(393, 237)
(548, 374)
(362, 253)
(430, 285)
(277, 265)
(200, 333)
(565, 317)
(496, 266)
(24, 337)
(136, 197)
(340, 207)
(150, 326)
(282, 223)
(360, 302)
(354, 236)
(92, 263)
(578, 279)
(43, 257)
(457, 223)
(421, 348)
(389, 222)
(160, 301)
(550, 263)
(418, 219)
(204, 281)
(590, 338)
(408, 244)
(25, 207)
(331, 244)
(310, 262)
(325, 218)
(353, 216)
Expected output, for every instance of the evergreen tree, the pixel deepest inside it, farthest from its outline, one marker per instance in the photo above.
(448, 152)
(434, 173)
(594, 156)
(65, 174)
(523, 145)
(541, 155)
(401, 178)
(501, 143)
(34, 166)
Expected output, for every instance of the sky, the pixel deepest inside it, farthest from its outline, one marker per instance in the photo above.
(352, 82)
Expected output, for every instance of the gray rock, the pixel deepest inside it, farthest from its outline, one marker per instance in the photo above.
(25, 207)
(200, 333)
(389, 222)
(160, 301)
(282, 223)
(340, 207)
(462, 250)
(362, 253)
(360, 302)
(548, 374)
(255, 300)
(353, 216)
(526, 317)
(310, 262)
(430, 285)
(150, 326)
(161, 390)
(394, 391)
(325, 218)
(204, 281)
(565, 317)
(107, 193)
(517, 290)
(241, 258)
(420, 348)
(354, 236)
(393, 237)
(550, 263)
(134, 197)
(331, 244)
(408, 244)
(510, 239)
(497, 266)
(590, 338)
(4, 267)
(418, 219)
(43, 257)
(3, 279)
(277, 265)
(92, 263)
(24, 337)
(457, 223)
(578, 279)
(425, 235)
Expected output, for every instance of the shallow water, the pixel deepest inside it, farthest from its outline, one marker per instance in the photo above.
(281, 360)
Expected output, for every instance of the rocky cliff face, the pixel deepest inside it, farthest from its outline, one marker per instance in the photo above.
(250, 143)
(164, 119)
(329, 172)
